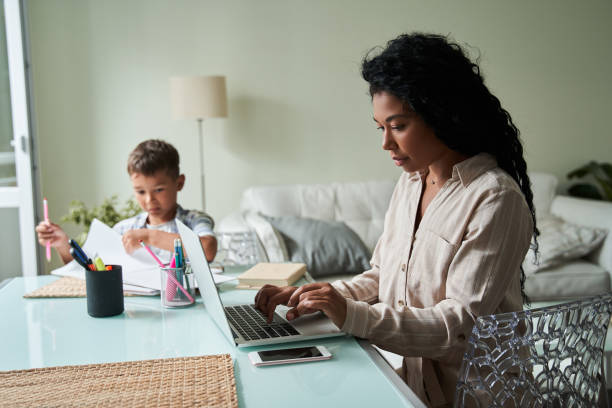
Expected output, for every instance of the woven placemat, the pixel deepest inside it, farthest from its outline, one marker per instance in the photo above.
(64, 287)
(205, 381)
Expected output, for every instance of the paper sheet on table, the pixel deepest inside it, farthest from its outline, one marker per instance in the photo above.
(140, 272)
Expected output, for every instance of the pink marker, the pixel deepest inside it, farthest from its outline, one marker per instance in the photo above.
(46, 211)
(170, 286)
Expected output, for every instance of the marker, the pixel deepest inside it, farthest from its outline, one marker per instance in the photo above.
(77, 248)
(46, 211)
(99, 264)
(78, 258)
(180, 252)
(170, 285)
(177, 257)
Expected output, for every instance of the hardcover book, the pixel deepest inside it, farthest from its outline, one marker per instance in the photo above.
(278, 274)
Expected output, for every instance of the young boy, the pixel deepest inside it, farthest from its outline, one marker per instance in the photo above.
(153, 167)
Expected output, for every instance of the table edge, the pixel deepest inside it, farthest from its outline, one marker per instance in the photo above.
(391, 375)
(5, 282)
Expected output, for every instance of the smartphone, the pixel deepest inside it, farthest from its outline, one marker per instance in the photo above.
(289, 355)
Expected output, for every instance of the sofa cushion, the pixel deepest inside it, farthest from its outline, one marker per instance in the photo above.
(360, 205)
(269, 238)
(567, 281)
(543, 186)
(591, 213)
(561, 241)
(326, 247)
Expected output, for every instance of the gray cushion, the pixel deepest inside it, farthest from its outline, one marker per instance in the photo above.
(561, 241)
(567, 281)
(326, 247)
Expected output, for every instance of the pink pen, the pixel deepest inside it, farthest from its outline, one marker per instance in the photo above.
(160, 263)
(170, 274)
(46, 211)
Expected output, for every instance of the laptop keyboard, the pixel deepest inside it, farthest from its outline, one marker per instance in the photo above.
(251, 323)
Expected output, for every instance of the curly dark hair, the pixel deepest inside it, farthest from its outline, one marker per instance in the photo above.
(434, 76)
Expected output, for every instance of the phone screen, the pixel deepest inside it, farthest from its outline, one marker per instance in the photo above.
(288, 354)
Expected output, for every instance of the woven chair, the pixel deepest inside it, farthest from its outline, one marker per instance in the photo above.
(546, 357)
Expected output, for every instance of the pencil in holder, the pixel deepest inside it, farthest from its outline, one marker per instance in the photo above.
(177, 287)
(104, 292)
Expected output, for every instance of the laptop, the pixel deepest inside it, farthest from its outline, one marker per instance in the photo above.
(243, 324)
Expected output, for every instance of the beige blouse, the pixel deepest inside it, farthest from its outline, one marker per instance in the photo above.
(465, 263)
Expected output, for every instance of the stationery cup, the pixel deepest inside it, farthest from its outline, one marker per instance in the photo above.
(104, 292)
(172, 295)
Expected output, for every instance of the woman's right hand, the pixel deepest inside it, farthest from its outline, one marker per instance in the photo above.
(270, 296)
(52, 233)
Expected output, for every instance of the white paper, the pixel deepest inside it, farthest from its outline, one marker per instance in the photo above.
(139, 269)
(219, 279)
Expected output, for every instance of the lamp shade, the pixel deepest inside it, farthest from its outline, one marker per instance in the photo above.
(198, 97)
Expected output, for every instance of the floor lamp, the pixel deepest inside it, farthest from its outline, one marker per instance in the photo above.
(199, 97)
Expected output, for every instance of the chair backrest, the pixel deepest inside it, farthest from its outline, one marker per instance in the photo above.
(551, 356)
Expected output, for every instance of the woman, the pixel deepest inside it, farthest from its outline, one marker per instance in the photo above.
(458, 226)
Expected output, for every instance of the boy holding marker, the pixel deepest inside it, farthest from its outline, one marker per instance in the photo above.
(153, 167)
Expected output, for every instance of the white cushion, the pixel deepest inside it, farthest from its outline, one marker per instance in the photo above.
(234, 222)
(544, 187)
(360, 205)
(268, 236)
(570, 280)
(591, 213)
(561, 241)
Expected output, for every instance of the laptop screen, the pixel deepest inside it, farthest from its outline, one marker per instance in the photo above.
(206, 283)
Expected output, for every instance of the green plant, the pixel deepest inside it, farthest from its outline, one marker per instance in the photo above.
(108, 212)
(601, 172)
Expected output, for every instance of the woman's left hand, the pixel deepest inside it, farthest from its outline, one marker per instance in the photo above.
(318, 296)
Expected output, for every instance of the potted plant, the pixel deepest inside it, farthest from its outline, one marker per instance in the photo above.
(601, 173)
(108, 212)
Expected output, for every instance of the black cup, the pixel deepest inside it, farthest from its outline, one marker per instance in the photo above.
(104, 292)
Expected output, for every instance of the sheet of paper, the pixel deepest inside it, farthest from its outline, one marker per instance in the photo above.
(138, 269)
(219, 279)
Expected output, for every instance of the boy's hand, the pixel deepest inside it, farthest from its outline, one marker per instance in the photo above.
(52, 233)
(131, 239)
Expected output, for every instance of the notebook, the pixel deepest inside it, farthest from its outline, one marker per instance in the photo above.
(278, 274)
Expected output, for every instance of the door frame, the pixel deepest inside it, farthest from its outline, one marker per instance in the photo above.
(23, 196)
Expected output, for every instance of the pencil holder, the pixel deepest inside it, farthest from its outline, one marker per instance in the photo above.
(104, 292)
(177, 287)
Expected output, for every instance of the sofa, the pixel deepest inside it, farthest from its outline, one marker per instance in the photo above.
(575, 272)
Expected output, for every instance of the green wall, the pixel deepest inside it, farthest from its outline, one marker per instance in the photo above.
(298, 110)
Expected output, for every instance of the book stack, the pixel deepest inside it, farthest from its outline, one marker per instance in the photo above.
(278, 274)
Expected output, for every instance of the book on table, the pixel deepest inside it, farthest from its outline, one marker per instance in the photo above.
(278, 274)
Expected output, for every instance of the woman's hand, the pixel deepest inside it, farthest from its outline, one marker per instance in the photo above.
(318, 296)
(270, 296)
